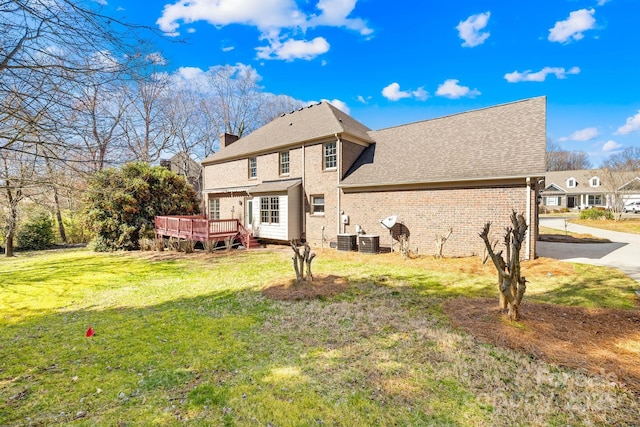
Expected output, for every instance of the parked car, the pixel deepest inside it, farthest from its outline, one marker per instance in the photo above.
(632, 207)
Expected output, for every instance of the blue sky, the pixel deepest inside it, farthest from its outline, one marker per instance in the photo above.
(389, 63)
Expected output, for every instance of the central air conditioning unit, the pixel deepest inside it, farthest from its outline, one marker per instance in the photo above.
(347, 242)
(369, 244)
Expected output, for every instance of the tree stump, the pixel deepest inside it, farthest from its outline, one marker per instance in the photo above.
(511, 284)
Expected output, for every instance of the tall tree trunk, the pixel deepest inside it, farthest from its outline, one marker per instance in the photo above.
(11, 231)
(61, 230)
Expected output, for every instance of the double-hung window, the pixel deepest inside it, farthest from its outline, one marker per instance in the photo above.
(330, 155)
(270, 210)
(253, 167)
(317, 205)
(214, 208)
(284, 163)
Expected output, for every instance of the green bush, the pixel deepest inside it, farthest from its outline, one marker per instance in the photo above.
(36, 233)
(75, 228)
(595, 214)
(121, 204)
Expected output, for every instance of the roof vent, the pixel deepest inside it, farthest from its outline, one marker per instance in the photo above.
(283, 114)
(290, 123)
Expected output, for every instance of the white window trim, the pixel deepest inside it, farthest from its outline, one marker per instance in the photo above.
(597, 184)
(575, 183)
(214, 213)
(288, 162)
(312, 204)
(325, 157)
(255, 159)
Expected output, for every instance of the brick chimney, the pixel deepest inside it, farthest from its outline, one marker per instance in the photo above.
(226, 139)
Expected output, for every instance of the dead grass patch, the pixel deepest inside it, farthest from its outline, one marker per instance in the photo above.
(602, 341)
(321, 287)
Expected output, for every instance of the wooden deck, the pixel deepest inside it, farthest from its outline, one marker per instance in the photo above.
(200, 229)
(197, 227)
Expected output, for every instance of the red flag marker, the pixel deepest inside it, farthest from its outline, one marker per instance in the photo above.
(90, 332)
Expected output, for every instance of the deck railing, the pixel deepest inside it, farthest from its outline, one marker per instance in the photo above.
(195, 227)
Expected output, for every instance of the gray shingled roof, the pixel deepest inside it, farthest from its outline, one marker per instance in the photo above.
(582, 177)
(306, 124)
(497, 142)
(275, 186)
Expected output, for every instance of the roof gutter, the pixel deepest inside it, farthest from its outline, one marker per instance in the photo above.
(441, 181)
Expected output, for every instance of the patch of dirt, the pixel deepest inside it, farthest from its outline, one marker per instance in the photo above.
(322, 287)
(579, 238)
(602, 341)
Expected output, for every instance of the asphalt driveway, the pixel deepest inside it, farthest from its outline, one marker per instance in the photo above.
(623, 253)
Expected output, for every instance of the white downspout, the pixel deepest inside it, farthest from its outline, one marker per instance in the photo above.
(339, 171)
(303, 198)
(528, 244)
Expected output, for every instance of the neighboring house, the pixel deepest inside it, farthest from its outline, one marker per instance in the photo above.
(588, 188)
(317, 173)
(183, 165)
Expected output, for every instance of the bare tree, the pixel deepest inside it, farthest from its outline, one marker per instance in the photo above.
(562, 160)
(49, 48)
(148, 128)
(626, 160)
(441, 239)
(300, 259)
(511, 283)
(20, 178)
(95, 124)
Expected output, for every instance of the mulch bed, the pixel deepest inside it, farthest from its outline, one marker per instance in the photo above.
(602, 341)
(561, 238)
(322, 286)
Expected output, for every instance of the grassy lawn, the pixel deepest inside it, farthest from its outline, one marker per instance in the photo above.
(193, 340)
(625, 225)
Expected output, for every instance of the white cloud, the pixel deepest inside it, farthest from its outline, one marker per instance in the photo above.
(228, 48)
(364, 100)
(611, 145)
(578, 22)
(294, 49)
(420, 94)
(602, 2)
(632, 124)
(340, 105)
(277, 21)
(470, 29)
(451, 89)
(189, 73)
(539, 76)
(263, 14)
(334, 13)
(586, 134)
(156, 58)
(393, 92)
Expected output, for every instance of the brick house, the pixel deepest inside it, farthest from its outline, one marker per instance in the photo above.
(316, 174)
